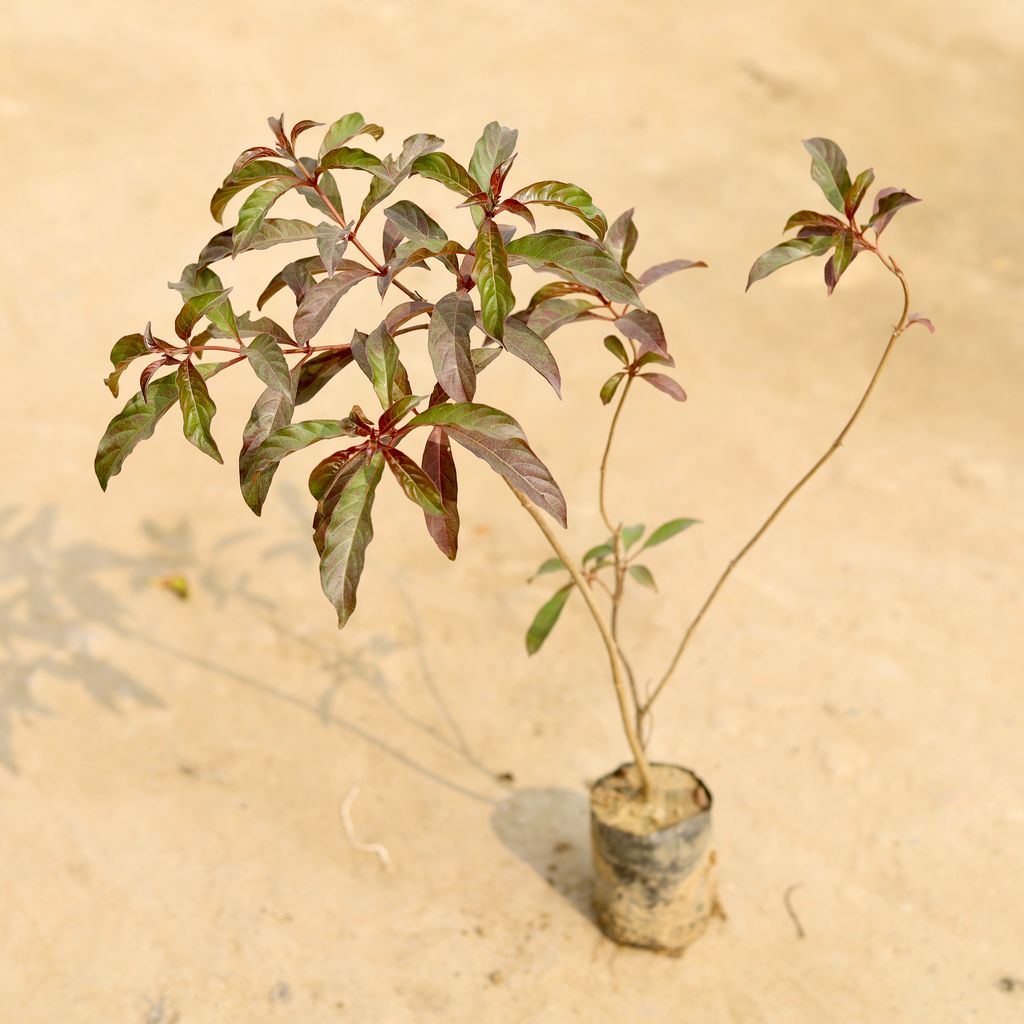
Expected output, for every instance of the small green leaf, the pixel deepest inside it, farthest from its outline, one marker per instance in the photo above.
(565, 196)
(785, 253)
(631, 534)
(546, 567)
(617, 349)
(667, 531)
(544, 621)
(197, 409)
(417, 486)
(491, 275)
(125, 351)
(255, 209)
(377, 356)
(599, 551)
(610, 386)
(643, 576)
(195, 309)
(828, 169)
(450, 173)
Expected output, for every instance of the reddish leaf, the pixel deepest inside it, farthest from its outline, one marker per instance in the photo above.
(663, 383)
(439, 465)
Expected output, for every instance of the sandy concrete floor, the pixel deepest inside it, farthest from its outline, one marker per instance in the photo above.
(171, 772)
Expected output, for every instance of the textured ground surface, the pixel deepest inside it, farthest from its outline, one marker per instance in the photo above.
(171, 772)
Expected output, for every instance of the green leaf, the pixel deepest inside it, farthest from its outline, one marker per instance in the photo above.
(610, 386)
(255, 209)
(318, 371)
(494, 147)
(273, 231)
(448, 345)
(450, 173)
(524, 344)
(243, 178)
(195, 309)
(599, 551)
(272, 410)
(197, 409)
(631, 534)
(887, 202)
(417, 486)
(617, 349)
(414, 223)
(344, 527)
(579, 257)
(331, 243)
(621, 238)
(667, 531)
(439, 465)
(785, 253)
(355, 158)
(855, 196)
(377, 356)
(643, 576)
(565, 196)
(499, 440)
(319, 301)
(137, 421)
(347, 128)
(544, 621)
(549, 566)
(828, 169)
(490, 272)
(268, 363)
(125, 351)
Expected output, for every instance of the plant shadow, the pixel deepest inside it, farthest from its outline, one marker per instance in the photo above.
(65, 604)
(549, 829)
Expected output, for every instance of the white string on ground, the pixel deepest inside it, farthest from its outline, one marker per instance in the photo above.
(350, 833)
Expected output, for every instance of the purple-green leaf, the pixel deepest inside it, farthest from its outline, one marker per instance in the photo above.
(579, 257)
(548, 316)
(319, 301)
(448, 345)
(415, 224)
(347, 128)
(439, 465)
(197, 409)
(499, 440)
(417, 486)
(855, 196)
(644, 327)
(125, 351)
(331, 243)
(491, 275)
(565, 196)
(344, 528)
(621, 239)
(785, 253)
(273, 231)
(272, 410)
(660, 270)
(268, 363)
(354, 158)
(450, 173)
(255, 209)
(195, 308)
(663, 383)
(828, 169)
(610, 386)
(377, 356)
(887, 203)
(493, 148)
(318, 371)
(837, 263)
(241, 179)
(524, 344)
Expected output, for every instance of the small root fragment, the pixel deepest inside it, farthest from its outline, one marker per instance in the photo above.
(788, 903)
(381, 852)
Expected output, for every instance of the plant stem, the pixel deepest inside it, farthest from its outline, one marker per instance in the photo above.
(901, 325)
(614, 659)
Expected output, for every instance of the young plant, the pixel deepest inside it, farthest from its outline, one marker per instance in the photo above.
(470, 322)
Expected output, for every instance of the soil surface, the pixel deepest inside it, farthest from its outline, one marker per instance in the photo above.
(173, 772)
(676, 795)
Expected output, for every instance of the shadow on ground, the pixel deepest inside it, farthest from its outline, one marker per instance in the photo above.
(66, 605)
(549, 829)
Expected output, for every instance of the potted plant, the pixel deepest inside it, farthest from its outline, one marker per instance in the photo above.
(651, 822)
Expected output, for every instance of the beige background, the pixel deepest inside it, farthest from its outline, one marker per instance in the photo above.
(171, 772)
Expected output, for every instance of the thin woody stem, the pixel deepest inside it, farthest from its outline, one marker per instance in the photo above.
(900, 327)
(614, 658)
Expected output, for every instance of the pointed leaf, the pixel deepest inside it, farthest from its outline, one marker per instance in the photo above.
(916, 318)
(448, 345)
(839, 260)
(548, 566)
(414, 223)
(250, 174)
(346, 530)
(617, 349)
(622, 238)
(494, 147)
(631, 534)
(785, 253)
(663, 383)
(828, 169)
(610, 386)
(491, 275)
(548, 316)
(450, 173)
(499, 440)
(331, 243)
(599, 551)
(319, 301)
(887, 202)
(195, 309)
(808, 218)
(417, 486)
(643, 576)
(583, 259)
(273, 231)
(318, 371)
(644, 327)
(439, 465)
(660, 270)
(544, 621)
(268, 363)
(347, 128)
(137, 421)
(255, 209)
(125, 351)
(667, 531)
(857, 190)
(272, 410)
(197, 409)
(377, 356)
(524, 344)
(391, 417)
(356, 159)
(565, 196)
(515, 207)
